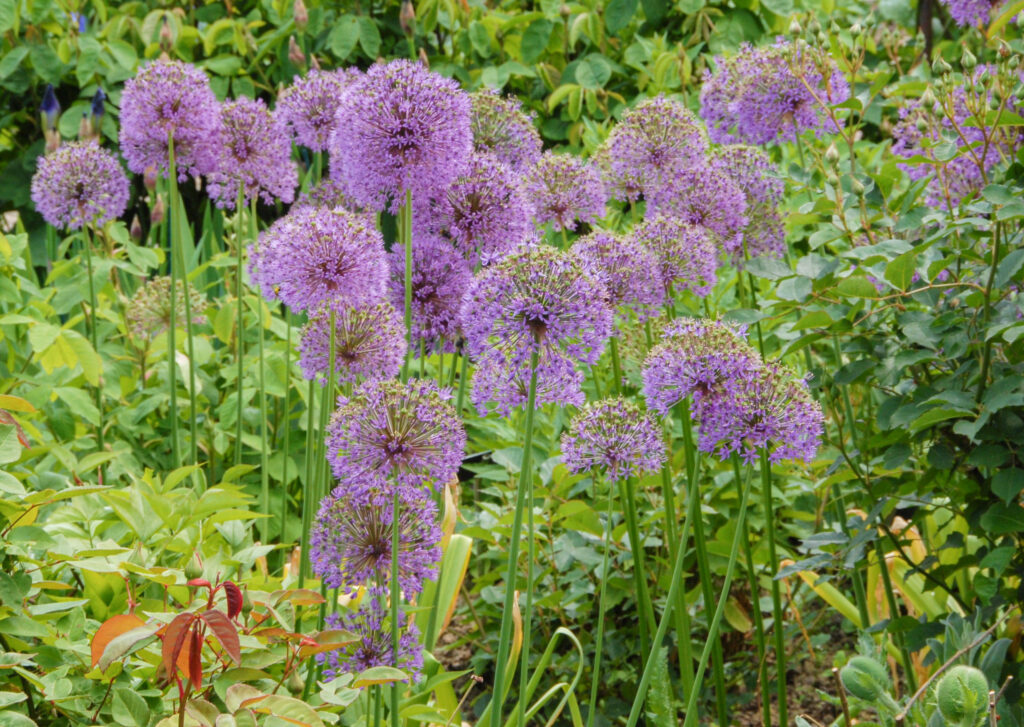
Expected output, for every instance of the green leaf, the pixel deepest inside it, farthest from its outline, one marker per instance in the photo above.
(593, 72)
(344, 36)
(900, 272)
(618, 13)
(1008, 484)
(1008, 267)
(654, 10)
(379, 675)
(9, 718)
(1001, 518)
(80, 403)
(933, 416)
(857, 286)
(8, 15)
(369, 36)
(23, 626)
(535, 40)
(479, 38)
(10, 447)
(128, 708)
(12, 60)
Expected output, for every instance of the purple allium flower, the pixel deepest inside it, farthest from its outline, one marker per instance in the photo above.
(535, 300)
(707, 197)
(328, 194)
(400, 128)
(253, 155)
(970, 12)
(756, 176)
(564, 189)
(170, 99)
(502, 128)
(651, 144)
(350, 543)
(615, 436)
(772, 411)
(686, 254)
(149, 312)
(440, 277)
(79, 184)
(309, 105)
(369, 343)
(484, 212)
(312, 258)
(390, 437)
(375, 646)
(765, 93)
(697, 358)
(629, 270)
(499, 385)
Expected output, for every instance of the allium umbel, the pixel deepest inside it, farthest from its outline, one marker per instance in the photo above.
(170, 99)
(400, 128)
(628, 269)
(687, 255)
(254, 156)
(616, 437)
(149, 312)
(707, 197)
(756, 176)
(374, 646)
(369, 343)
(309, 106)
(313, 258)
(501, 128)
(393, 438)
(564, 189)
(79, 184)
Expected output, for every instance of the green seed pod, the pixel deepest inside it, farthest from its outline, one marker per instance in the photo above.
(865, 678)
(194, 567)
(962, 696)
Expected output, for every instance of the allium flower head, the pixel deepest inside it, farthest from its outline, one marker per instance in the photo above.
(697, 358)
(440, 277)
(706, 197)
(369, 343)
(79, 184)
(500, 385)
(391, 437)
(254, 156)
(773, 411)
(484, 212)
(765, 93)
(501, 128)
(375, 645)
(170, 99)
(649, 146)
(564, 189)
(149, 312)
(535, 300)
(629, 270)
(615, 436)
(968, 13)
(309, 105)
(400, 128)
(350, 543)
(687, 255)
(317, 257)
(328, 194)
(753, 172)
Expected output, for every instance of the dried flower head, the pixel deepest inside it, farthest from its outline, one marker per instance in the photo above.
(565, 189)
(628, 268)
(309, 106)
(615, 436)
(149, 312)
(79, 184)
(687, 255)
(170, 99)
(369, 343)
(501, 128)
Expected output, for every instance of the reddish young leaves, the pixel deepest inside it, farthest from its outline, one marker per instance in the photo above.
(174, 641)
(234, 597)
(111, 629)
(224, 631)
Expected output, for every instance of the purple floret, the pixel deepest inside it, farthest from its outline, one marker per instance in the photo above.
(707, 197)
(753, 172)
(563, 189)
(628, 268)
(308, 107)
(501, 128)
(687, 255)
(369, 343)
(79, 184)
(616, 437)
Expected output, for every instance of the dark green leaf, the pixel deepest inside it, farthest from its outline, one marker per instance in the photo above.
(618, 13)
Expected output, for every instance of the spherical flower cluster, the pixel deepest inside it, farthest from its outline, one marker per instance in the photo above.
(615, 436)
(501, 128)
(79, 184)
(317, 257)
(254, 156)
(687, 255)
(771, 92)
(440, 277)
(328, 193)
(773, 412)
(700, 359)
(170, 99)
(500, 386)
(650, 145)
(968, 13)
(400, 129)
(149, 312)
(629, 270)
(537, 300)
(393, 438)
(564, 189)
(369, 343)
(350, 543)
(753, 172)
(374, 646)
(484, 212)
(707, 197)
(309, 105)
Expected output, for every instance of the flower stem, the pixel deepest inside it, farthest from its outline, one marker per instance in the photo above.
(307, 484)
(613, 345)
(394, 605)
(646, 620)
(264, 466)
(505, 640)
(87, 244)
(239, 324)
(172, 334)
(405, 238)
(773, 562)
(286, 429)
(601, 607)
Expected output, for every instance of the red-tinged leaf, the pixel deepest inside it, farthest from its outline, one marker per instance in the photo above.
(325, 641)
(195, 663)
(224, 631)
(198, 583)
(174, 640)
(234, 597)
(300, 597)
(110, 629)
(273, 632)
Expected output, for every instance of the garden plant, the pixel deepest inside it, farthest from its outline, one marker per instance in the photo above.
(442, 362)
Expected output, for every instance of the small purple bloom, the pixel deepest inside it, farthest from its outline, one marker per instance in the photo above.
(707, 197)
(687, 255)
(328, 194)
(968, 13)
(616, 437)
(310, 104)
(79, 184)
(369, 343)
(629, 270)
(762, 187)
(501, 128)
(374, 646)
(564, 189)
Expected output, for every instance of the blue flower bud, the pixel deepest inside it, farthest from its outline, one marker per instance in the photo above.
(49, 108)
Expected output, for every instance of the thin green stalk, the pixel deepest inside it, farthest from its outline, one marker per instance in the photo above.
(239, 323)
(613, 345)
(524, 654)
(87, 244)
(172, 334)
(986, 357)
(405, 238)
(394, 605)
(460, 398)
(286, 428)
(601, 606)
(646, 620)
(675, 582)
(773, 561)
(716, 622)
(264, 467)
(525, 473)
(307, 484)
(890, 597)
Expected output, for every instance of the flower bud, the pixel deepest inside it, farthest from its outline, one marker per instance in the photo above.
(857, 187)
(856, 30)
(832, 154)
(423, 58)
(928, 99)
(794, 27)
(962, 696)
(136, 229)
(940, 67)
(564, 10)
(96, 110)
(159, 210)
(295, 54)
(865, 678)
(49, 109)
(85, 131)
(967, 60)
(814, 26)
(149, 178)
(52, 137)
(295, 682)
(407, 17)
(194, 568)
(166, 35)
(300, 15)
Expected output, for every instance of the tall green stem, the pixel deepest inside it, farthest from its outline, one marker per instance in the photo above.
(601, 606)
(285, 426)
(525, 473)
(778, 630)
(308, 483)
(264, 467)
(240, 228)
(613, 345)
(405, 233)
(172, 333)
(87, 244)
(394, 606)
(646, 620)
